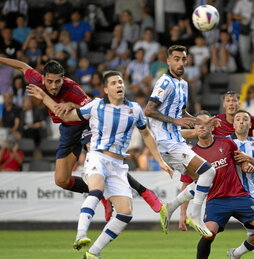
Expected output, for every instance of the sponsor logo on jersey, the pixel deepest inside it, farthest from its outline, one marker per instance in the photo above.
(159, 92)
(220, 163)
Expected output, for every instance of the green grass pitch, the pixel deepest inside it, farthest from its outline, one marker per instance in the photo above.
(129, 245)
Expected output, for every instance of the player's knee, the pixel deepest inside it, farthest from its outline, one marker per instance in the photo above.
(206, 170)
(62, 182)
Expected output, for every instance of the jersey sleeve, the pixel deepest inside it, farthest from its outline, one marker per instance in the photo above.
(161, 90)
(85, 111)
(33, 77)
(141, 121)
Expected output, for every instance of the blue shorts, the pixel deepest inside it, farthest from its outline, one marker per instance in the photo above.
(221, 209)
(72, 138)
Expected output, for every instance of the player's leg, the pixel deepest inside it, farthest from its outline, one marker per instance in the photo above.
(118, 189)
(115, 226)
(87, 211)
(168, 209)
(206, 173)
(64, 178)
(247, 246)
(149, 196)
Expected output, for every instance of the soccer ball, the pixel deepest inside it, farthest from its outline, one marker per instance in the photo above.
(205, 17)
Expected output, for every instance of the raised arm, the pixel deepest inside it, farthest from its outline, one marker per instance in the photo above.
(38, 93)
(14, 63)
(152, 111)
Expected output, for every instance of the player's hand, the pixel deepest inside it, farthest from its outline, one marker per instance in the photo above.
(212, 122)
(62, 109)
(247, 167)
(182, 223)
(165, 167)
(187, 122)
(241, 157)
(35, 91)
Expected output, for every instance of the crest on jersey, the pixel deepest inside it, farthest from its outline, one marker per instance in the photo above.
(184, 155)
(159, 92)
(221, 150)
(131, 111)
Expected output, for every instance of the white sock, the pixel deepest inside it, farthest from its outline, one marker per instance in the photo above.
(184, 196)
(206, 176)
(244, 248)
(86, 215)
(112, 229)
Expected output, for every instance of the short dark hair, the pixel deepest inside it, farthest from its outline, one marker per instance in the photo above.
(244, 111)
(108, 74)
(231, 93)
(53, 67)
(203, 112)
(176, 48)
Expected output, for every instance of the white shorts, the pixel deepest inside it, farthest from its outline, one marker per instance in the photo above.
(113, 170)
(179, 157)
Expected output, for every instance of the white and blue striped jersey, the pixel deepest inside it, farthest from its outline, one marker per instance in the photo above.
(247, 146)
(171, 94)
(112, 125)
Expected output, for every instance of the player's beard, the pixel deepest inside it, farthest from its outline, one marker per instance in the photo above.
(178, 72)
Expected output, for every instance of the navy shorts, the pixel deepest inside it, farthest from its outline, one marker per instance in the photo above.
(220, 210)
(72, 138)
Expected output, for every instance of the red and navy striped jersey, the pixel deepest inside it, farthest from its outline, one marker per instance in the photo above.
(69, 92)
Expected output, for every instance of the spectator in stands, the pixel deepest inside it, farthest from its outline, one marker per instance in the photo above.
(96, 85)
(134, 6)
(136, 73)
(32, 122)
(201, 54)
(10, 46)
(158, 67)
(11, 116)
(32, 50)
(50, 25)
(148, 43)
(130, 28)
(6, 75)
(12, 9)
(80, 32)
(147, 20)
(192, 75)
(248, 105)
(223, 54)
(18, 90)
(11, 159)
(69, 46)
(84, 72)
(243, 13)
(120, 46)
(21, 32)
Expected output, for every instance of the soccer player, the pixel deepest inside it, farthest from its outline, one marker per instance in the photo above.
(68, 94)
(227, 197)
(167, 111)
(111, 120)
(231, 104)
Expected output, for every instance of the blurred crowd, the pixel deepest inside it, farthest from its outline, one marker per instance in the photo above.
(90, 37)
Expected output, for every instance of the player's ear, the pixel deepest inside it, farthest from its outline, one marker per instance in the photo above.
(105, 90)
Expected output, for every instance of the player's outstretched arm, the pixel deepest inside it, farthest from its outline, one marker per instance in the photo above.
(151, 144)
(152, 111)
(38, 93)
(14, 63)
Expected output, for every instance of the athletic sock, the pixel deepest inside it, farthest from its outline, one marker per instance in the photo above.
(244, 248)
(135, 184)
(206, 175)
(184, 196)
(76, 184)
(112, 229)
(87, 212)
